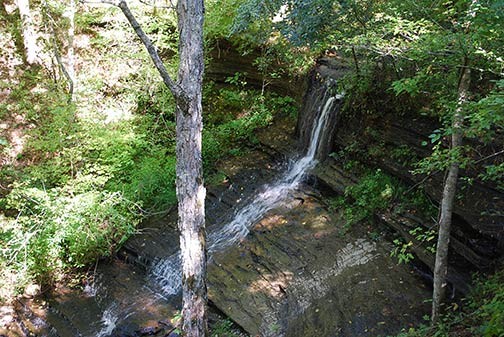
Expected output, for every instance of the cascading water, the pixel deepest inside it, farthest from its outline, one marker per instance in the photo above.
(112, 306)
(168, 271)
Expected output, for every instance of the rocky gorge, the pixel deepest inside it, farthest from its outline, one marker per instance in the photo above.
(299, 271)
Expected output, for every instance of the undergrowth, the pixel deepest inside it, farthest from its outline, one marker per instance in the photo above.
(83, 183)
(377, 191)
(224, 328)
(91, 170)
(480, 314)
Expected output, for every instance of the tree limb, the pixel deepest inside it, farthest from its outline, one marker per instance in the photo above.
(176, 90)
(488, 157)
(152, 4)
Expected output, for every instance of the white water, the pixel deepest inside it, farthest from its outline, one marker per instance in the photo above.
(108, 321)
(168, 271)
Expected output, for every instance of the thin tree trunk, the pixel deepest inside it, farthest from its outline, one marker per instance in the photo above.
(29, 38)
(190, 190)
(70, 13)
(441, 266)
(54, 41)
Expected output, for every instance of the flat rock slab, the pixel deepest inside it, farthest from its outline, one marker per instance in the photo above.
(298, 274)
(121, 302)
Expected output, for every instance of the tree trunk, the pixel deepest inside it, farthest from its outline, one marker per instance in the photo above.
(29, 38)
(190, 190)
(441, 266)
(70, 14)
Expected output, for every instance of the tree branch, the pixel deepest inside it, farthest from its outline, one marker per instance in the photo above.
(176, 90)
(152, 4)
(488, 157)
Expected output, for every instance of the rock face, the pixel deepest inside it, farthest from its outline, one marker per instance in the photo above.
(227, 60)
(478, 231)
(296, 275)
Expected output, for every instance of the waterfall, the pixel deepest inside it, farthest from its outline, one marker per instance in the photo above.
(167, 271)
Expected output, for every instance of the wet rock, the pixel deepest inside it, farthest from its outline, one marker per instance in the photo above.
(149, 331)
(283, 282)
(465, 258)
(321, 87)
(478, 223)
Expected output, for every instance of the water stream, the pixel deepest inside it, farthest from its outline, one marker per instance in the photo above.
(167, 272)
(163, 284)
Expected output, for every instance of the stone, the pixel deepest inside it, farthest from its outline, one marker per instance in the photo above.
(149, 330)
(282, 282)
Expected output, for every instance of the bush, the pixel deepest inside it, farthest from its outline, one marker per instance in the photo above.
(57, 229)
(152, 181)
(224, 328)
(372, 193)
(480, 314)
(232, 123)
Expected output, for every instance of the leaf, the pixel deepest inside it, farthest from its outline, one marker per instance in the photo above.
(4, 142)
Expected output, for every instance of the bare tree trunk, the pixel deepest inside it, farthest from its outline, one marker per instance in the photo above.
(190, 190)
(450, 185)
(49, 21)
(29, 38)
(70, 14)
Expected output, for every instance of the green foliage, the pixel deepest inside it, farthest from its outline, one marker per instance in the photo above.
(377, 191)
(401, 251)
(441, 158)
(301, 22)
(494, 173)
(87, 186)
(87, 22)
(404, 155)
(162, 29)
(152, 181)
(229, 137)
(480, 314)
(486, 115)
(422, 235)
(224, 328)
(374, 192)
(57, 229)
(406, 85)
(234, 113)
(488, 305)
(219, 18)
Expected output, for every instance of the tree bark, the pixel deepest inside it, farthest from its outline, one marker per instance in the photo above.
(70, 14)
(29, 38)
(450, 185)
(190, 189)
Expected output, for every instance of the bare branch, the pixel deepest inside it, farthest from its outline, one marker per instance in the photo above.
(490, 156)
(153, 4)
(57, 54)
(176, 90)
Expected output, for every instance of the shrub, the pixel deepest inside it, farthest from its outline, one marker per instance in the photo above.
(480, 314)
(372, 193)
(58, 229)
